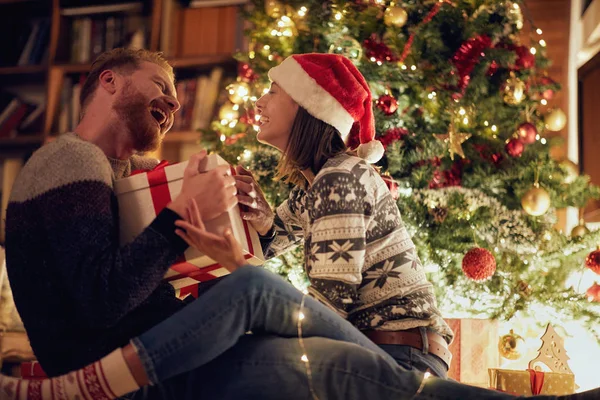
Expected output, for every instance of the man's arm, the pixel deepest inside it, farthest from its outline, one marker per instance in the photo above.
(72, 196)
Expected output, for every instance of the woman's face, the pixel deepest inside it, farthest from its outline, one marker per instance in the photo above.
(277, 112)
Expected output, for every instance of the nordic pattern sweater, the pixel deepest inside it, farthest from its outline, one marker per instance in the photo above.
(80, 294)
(358, 256)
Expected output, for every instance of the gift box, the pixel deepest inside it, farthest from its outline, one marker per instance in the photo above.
(144, 194)
(32, 370)
(474, 350)
(530, 382)
(559, 380)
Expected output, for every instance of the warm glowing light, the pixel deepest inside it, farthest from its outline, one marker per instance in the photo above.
(494, 128)
(544, 102)
(533, 50)
(543, 43)
(304, 358)
(223, 137)
(462, 111)
(338, 16)
(538, 31)
(300, 316)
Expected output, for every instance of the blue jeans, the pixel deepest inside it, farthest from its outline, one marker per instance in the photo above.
(203, 350)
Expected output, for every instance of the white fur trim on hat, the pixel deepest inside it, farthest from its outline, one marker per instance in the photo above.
(305, 91)
(372, 151)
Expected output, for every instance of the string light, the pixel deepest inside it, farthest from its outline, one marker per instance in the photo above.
(537, 137)
(302, 11)
(543, 43)
(533, 50)
(494, 128)
(466, 121)
(222, 138)
(413, 67)
(543, 141)
(304, 358)
(338, 16)
(300, 316)
(403, 66)
(486, 123)
(544, 102)
(232, 124)
(538, 31)
(462, 111)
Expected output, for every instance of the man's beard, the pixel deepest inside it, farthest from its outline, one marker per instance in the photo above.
(132, 109)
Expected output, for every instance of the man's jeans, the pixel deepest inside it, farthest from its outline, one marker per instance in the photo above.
(203, 351)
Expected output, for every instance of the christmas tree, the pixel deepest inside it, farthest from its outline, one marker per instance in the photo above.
(459, 98)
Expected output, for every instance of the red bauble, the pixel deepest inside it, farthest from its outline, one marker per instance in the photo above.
(392, 186)
(377, 50)
(525, 60)
(392, 135)
(478, 264)
(388, 104)
(514, 147)
(593, 293)
(592, 261)
(527, 132)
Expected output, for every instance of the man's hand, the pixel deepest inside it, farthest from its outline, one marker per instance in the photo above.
(224, 249)
(258, 211)
(214, 190)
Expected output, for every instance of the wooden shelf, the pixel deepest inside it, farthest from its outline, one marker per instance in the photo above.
(182, 137)
(102, 9)
(74, 68)
(23, 69)
(201, 61)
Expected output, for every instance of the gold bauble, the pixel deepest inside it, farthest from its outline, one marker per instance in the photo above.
(274, 8)
(580, 230)
(238, 92)
(514, 90)
(555, 120)
(572, 171)
(229, 112)
(395, 16)
(536, 201)
(511, 346)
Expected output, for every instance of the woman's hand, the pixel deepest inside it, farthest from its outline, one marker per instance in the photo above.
(257, 210)
(225, 250)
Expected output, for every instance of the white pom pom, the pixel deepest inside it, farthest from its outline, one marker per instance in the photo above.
(371, 152)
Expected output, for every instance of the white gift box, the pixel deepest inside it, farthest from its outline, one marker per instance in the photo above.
(142, 196)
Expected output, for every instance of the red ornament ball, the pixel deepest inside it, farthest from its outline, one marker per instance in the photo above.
(525, 60)
(515, 147)
(527, 132)
(593, 293)
(478, 264)
(388, 104)
(592, 261)
(246, 73)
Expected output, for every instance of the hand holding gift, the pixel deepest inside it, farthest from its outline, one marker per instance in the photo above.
(225, 250)
(259, 211)
(218, 182)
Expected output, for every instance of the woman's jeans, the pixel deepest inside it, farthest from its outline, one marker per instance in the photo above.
(203, 351)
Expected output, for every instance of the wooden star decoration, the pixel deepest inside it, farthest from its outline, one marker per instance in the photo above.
(454, 141)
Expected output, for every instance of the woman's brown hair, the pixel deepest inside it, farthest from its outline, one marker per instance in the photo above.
(311, 143)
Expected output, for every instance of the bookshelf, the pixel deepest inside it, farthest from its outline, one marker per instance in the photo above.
(185, 35)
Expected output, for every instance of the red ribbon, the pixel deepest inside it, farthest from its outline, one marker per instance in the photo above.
(537, 381)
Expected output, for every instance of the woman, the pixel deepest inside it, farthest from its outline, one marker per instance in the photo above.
(359, 257)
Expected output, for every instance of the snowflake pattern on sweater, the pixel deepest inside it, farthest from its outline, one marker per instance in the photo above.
(359, 257)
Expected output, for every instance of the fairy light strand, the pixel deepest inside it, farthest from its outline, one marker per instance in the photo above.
(304, 357)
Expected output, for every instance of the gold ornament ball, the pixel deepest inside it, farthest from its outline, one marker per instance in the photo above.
(348, 47)
(572, 170)
(229, 112)
(274, 8)
(580, 230)
(511, 346)
(536, 201)
(514, 90)
(555, 120)
(395, 16)
(238, 92)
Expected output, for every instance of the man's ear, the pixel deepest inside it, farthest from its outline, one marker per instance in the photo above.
(107, 80)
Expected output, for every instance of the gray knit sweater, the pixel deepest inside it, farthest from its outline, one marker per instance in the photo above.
(80, 294)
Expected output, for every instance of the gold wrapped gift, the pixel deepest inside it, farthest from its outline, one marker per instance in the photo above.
(526, 383)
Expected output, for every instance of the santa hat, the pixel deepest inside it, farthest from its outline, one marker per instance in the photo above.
(333, 90)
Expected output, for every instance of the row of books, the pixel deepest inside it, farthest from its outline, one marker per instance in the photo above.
(19, 116)
(198, 98)
(92, 36)
(30, 46)
(68, 116)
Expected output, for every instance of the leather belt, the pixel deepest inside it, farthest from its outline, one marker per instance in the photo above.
(412, 337)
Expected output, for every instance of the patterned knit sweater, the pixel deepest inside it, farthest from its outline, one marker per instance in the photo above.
(79, 293)
(358, 255)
